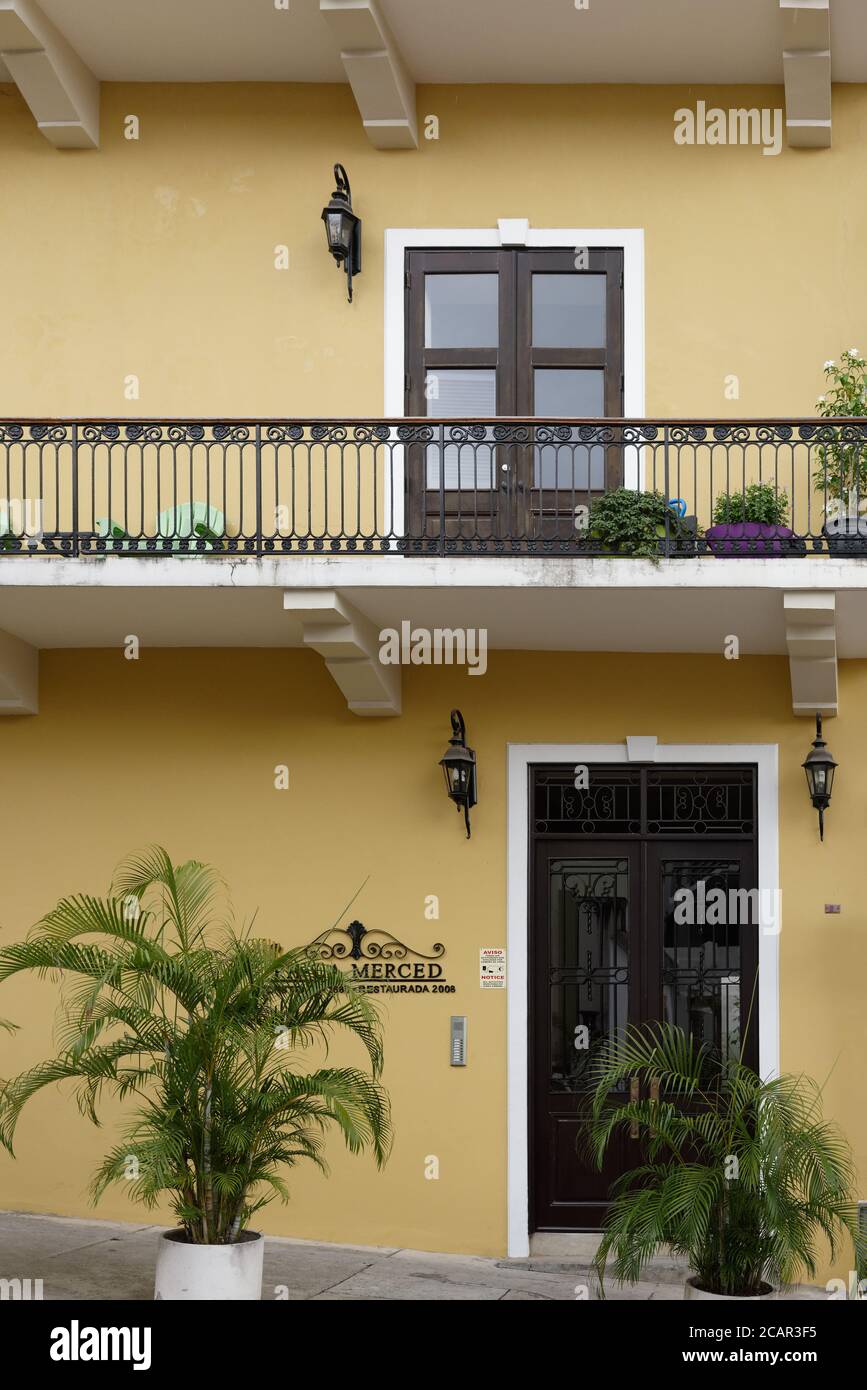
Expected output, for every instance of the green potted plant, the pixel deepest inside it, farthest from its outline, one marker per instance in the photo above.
(841, 475)
(206, 1027)
(752, 522)
(629, 522)
(739, 1174)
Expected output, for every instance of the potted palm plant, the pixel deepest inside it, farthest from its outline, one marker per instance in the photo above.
(739, 1174)
(752, 522)
(841, 475)
(206, 1026)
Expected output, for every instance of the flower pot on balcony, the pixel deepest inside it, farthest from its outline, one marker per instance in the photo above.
(189, 1272)
(739, 539)
(692, 1290)
(682, 538)
(846, 534)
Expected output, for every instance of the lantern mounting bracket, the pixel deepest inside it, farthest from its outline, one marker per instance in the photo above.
(343, 228)
(820, 767)
(459, 767)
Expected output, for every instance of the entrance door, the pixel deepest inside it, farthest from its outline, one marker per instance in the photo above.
(587, 985)
(515, 333)
(643, 908)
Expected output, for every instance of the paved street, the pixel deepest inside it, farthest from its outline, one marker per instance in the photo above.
(107, 1260)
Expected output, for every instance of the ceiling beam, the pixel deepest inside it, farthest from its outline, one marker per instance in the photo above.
(381, 83)
(61, 92)
(807, 71)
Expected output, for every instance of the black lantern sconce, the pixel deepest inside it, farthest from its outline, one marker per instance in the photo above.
(820, 768)
(343, 228)
(459, 766)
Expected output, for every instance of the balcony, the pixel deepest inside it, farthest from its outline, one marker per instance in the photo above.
(418, 487)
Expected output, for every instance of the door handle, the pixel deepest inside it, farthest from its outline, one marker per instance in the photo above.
(634, 1096)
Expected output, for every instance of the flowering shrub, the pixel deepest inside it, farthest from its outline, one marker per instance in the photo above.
(842, 470)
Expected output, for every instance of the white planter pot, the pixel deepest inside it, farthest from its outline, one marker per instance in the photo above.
(186, 1271)
(690, 1290)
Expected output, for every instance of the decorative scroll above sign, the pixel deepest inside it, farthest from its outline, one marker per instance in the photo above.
(381, 964)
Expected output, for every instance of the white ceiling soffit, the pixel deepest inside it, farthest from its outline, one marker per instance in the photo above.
(451, 41)
(807, 71)
(60, 90)
(381, 84)
(383, 47)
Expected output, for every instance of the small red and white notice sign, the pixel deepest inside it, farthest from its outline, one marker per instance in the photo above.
(492, 967)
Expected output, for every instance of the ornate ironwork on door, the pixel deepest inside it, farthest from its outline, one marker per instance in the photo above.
(645, 801)
(705, 911)
(588, 962)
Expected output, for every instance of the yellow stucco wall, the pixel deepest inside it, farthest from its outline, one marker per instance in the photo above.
(155, 257)
(180, 747)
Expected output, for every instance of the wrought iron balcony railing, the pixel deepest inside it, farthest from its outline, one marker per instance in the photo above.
(410, 487)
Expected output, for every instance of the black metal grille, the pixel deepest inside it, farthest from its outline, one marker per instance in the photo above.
(700, 803)
(416, 487)
(589, 962)
(609, 805)
(669, 802)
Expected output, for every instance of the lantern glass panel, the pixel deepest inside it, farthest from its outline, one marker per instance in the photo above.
(338, 229)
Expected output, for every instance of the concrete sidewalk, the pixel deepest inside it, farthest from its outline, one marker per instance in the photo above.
(106, 1260)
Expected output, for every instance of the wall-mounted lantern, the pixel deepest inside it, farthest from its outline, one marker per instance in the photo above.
(343, 228)
(820, 767)
(459, 766)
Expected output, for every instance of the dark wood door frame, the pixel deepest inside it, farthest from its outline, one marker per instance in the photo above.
(510, 507)
(651, 845)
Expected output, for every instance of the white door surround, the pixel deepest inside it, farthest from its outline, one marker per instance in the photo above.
(510, 232)
(630, 239)
(520, 756)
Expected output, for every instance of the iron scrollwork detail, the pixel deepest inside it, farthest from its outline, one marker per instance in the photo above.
(357, 943)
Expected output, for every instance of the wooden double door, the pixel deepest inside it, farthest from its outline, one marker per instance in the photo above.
(655, 921)
(528, 333)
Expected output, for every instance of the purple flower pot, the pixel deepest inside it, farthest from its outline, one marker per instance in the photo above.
(744, 538)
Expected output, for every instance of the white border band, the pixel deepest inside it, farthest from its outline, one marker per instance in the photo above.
(520, 756)
(399, 239)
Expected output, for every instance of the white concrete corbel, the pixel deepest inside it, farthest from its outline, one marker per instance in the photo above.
(381, 83)
(60, 90)
(350, 645)
(641, 748)
(19, 676)
(513, 230)
(807, 71)
(811, 638)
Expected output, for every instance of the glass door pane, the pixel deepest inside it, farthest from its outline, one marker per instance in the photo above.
(569, 311)
(461, 311)
(461, 392)
(705, 913)
(569, 391)
(588, 957)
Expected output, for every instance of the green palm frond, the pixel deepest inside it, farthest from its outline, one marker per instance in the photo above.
(741, 1175)
(162, 1000)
